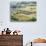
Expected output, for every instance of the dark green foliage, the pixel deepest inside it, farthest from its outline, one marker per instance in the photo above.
(33, 19)
(14, 19)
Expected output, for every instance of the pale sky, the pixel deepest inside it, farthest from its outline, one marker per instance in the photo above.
(30, 30)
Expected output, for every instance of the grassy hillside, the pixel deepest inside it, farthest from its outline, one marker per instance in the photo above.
(25, 13)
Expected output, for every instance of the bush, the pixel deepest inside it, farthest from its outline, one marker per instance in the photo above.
(33, 19)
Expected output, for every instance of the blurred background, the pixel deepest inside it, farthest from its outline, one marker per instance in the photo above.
(31, 30)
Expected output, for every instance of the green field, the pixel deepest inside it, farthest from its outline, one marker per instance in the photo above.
(27, 13)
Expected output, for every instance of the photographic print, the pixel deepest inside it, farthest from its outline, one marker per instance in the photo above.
(23, 11)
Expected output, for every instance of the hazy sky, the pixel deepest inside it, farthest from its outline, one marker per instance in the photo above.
(30, 30)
